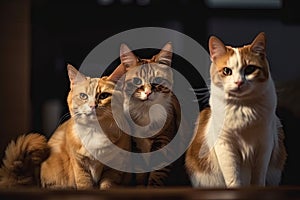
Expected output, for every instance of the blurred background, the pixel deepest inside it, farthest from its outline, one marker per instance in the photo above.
(38, 38)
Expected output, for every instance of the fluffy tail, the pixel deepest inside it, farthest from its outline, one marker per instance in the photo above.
(23, 157)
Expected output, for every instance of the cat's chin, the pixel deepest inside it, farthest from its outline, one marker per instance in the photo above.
(86, 118)
(238, 96)
(145, 99)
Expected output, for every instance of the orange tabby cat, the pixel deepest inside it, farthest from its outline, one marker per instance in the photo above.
(77, 142)
(239, 139)
(76, 145)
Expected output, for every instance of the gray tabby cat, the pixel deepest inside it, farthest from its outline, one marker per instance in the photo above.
(150, 106)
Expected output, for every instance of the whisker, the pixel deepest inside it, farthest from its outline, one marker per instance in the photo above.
(200, 99)
(207, 93)
(203, 94)
(198, 89)
(63, 118)
(195, 100)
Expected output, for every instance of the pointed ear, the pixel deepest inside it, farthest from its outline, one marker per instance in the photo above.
(165, 55)
(128, 59)
(259, 44)
(117, 73)
(216, 47)
(74, 75)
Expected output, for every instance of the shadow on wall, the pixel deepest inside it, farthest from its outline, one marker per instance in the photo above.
(289, 113)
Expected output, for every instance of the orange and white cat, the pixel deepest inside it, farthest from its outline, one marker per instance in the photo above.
(72, 158)
(76, 145)
(239, 140)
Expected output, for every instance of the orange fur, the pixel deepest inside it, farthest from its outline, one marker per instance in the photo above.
(71, 163)
(23, 157)
(198, 143)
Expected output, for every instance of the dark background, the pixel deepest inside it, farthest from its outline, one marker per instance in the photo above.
(39, 37)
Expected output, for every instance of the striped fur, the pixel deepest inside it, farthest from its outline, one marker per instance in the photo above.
(239, 139)
(148, 82)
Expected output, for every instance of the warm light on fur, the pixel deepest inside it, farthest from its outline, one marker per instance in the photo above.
(71, 164)
(23, 158)
(239, 139)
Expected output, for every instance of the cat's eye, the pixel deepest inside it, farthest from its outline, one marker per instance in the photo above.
(250, 69)
(83, 96)
(137, 81)
(163, 62)
(104, 95)
(157, 80)
(227, 71)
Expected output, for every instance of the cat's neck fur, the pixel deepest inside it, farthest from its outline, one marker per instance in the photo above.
(237, 115)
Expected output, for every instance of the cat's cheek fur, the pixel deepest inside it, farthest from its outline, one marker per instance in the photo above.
(142, 96)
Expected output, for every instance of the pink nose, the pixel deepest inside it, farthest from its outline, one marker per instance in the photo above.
(239, 83)
(92, 105)
(148, 92)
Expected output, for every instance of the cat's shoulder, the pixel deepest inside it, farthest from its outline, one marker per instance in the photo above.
(204, 115)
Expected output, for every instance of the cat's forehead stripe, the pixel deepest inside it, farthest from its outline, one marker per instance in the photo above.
(236, 59)
(223, 60)
(145, 70)
(93, 84)
(105, 85)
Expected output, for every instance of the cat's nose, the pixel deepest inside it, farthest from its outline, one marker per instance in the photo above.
(239, 83)
(92, 105)
(148, 92)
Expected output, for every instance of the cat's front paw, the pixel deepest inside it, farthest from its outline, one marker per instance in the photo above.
(104, 185)
(234, 184)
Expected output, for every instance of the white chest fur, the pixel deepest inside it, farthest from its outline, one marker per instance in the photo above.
(241, 137)
(93, 139)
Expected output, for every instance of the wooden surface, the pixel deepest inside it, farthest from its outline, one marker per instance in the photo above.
(185, 193)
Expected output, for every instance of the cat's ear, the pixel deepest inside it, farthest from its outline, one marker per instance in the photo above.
(117, 73)
(259, 44)
(74, 75)
(216, 48)
(128, 59)
(165, 55)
